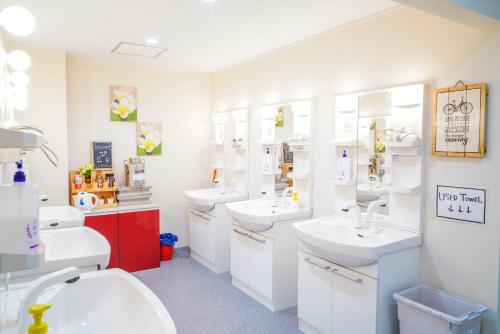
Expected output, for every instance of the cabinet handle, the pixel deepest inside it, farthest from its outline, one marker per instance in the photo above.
(316, 264)
(199, 215)
(256, 239)
(239, 232)
(357, 280)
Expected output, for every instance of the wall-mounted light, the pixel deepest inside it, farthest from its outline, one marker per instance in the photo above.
(17, 20)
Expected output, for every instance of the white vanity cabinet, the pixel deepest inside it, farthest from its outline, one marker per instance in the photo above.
(264, 264)
(336, 300)
(209, 238)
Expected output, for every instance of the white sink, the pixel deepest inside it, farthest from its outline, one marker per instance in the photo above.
(260, 214)
(101, 302)
(205, 199)
(368, 193)
(60, 217)
(335, 239)
(80, 247)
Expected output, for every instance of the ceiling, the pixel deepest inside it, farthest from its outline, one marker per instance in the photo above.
(200, 36)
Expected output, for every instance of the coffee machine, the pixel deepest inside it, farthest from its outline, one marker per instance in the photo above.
(135, 176)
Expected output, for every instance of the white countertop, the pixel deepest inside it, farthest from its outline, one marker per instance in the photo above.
(119, 209)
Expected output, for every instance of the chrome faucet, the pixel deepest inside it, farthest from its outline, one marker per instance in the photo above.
(372, 207)
(67, 275)
(283, 196)
(357, 213)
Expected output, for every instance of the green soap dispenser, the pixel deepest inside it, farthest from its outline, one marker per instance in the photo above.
(39, 327)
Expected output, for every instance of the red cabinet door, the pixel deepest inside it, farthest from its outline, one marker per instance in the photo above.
(107, 225)
(139, 234)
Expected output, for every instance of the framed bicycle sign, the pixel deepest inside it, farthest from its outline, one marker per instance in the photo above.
(459, 118)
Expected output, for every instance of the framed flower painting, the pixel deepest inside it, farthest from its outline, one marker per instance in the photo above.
(149, 138)
(123, 104)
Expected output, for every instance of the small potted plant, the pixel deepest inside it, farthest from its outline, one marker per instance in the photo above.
(86, 171)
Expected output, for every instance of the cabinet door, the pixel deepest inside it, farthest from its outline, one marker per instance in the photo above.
(252, 260)
(201, 235)
(107, 225)
(139, 240)
(354, 308)
(315, 292)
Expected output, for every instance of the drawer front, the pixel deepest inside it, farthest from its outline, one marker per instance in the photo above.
(315, 292)
(107, 225)
(252, 260)
(201, 235)
(354, 298)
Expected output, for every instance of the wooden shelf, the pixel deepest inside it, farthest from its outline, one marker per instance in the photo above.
(103, 193)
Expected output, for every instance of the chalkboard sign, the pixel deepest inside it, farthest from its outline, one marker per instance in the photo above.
(287, 155)
(102, 154)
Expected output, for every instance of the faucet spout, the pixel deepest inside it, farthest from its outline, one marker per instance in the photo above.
(357, 213)
(68, 275)
(372, 207)
(283, 196)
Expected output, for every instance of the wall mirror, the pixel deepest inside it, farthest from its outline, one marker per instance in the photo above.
(286, 139)
(229, 171)
(378, 153)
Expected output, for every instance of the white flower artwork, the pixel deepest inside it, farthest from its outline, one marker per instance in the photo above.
(149, 138)
(123, 104)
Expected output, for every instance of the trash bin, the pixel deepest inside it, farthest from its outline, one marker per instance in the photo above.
(167, 242)
(423, 309)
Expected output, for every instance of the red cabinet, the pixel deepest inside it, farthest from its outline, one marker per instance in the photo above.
(107, 225)
(134, 238)
(139, 236)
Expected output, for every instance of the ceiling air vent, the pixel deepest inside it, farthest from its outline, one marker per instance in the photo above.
(139, 50)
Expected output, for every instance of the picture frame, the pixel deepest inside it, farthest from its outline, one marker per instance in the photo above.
(459, 121)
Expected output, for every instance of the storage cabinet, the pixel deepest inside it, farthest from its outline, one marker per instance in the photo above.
(252, 260)
(139, 236)
(202, 235)
(107, 225)
(334, 299)
(133, 237)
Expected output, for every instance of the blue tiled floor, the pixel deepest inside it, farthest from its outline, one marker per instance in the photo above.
(201, 302)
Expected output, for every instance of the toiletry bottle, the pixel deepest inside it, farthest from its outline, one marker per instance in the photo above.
(344, 168)
(39, 326)
(295, 200)
(267, 160)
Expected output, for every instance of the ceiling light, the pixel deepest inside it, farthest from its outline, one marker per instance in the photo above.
(152, 40)
(17, 20)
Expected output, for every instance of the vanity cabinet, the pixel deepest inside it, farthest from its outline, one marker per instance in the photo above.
(264, 264)
(209, 238)
(132, 234)
(333, 299)
(107, 225)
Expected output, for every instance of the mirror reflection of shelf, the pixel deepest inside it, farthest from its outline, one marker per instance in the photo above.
(404, 190)
(237, 168)
(217, 165)
(405, 148)
(294, 176)
(298, 146)
(343, 142)
(265, 172)
(344, 182)
(268, 142)
(217, 142)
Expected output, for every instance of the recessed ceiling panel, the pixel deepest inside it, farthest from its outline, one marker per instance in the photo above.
(138, 50)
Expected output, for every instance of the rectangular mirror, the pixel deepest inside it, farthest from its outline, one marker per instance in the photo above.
(283, 156)
(373, 169)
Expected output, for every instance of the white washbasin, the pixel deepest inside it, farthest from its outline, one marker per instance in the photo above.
(80, 247)
(101, 302)
(335, 239)
(205, 199)
(368, 193)
(260, 214)
(60, 217)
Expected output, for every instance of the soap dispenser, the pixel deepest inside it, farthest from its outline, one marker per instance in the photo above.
(39, 326)
(344, 168)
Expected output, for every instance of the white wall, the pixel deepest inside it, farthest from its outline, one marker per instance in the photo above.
(181, 102)
(402, 47)
(46, 110)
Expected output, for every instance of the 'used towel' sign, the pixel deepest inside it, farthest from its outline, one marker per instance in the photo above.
(465, 204)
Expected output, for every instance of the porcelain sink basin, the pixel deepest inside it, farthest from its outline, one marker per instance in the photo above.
(80, 247)
(335, 239)
(259, 214)
(367, 193)
(60, 216)
(102, 302)
(205, 199)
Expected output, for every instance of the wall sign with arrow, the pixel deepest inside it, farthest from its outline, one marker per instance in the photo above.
(459, 203)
